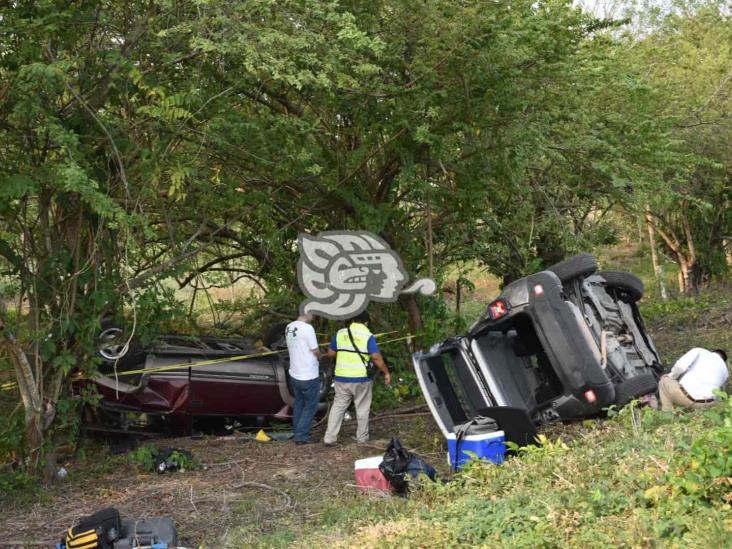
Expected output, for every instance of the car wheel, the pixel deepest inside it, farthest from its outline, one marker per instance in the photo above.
(630, 284)
(111, 345)
(274, 336)
(635, 387)
(326, 380)
(574, 267)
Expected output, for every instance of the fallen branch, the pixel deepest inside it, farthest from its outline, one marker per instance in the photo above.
(413, 414)
(399, 411)
(195, 509)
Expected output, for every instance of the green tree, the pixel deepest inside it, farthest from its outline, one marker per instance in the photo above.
(687, 62)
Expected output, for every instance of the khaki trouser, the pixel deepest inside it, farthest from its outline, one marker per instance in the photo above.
(360, 394)
(671, 394)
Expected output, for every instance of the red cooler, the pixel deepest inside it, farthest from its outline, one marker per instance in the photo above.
(368, 476)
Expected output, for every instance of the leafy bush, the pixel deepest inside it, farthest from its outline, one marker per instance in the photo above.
(404, 387)
(701, 472)
(148, 458)
(11, 435)
(18, 484)
(144, 457)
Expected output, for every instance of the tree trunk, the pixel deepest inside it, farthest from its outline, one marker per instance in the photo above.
(682, 284)
(29, 394)
(685, 258)
(430, 244)
(458, 295)
(657, 267)
(409, 303)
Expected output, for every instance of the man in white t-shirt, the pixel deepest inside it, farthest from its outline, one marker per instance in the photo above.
(693, 379)
(302, 345)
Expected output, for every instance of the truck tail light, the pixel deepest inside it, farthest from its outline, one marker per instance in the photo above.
(497, 309)
(590, 396)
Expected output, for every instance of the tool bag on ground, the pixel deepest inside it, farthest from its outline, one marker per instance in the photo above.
(478, 425)
(155, 533)
(97, 531)
(399, 465)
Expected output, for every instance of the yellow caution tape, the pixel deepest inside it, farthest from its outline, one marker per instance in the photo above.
(198, 364)
(212, 362)
(11, 385)
(375, 335)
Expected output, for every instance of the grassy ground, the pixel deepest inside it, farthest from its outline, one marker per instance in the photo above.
(640, 480)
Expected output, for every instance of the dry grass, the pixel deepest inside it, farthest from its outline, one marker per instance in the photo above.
(247, 489)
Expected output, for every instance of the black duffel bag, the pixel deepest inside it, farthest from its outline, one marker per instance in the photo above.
(400, 465)
(97, 531)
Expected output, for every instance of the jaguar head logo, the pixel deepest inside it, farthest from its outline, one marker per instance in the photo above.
(340, 272)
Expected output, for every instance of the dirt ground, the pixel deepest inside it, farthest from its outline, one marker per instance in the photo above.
(243, 485)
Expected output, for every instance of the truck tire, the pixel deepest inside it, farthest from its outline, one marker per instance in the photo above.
(630, 284)
(574, 267)
(635, 387)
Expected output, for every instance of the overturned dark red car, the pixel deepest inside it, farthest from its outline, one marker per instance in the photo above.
(179, 382)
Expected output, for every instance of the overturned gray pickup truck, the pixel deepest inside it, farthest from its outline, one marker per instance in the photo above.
(561, 344)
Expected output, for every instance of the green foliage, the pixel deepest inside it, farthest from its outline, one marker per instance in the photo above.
(11, 435)
(146, 458)
(684, 309)
(404, 388)
(701, 471)
(19, 486)
(181, 461)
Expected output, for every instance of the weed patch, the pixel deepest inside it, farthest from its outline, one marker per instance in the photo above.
(643, 477)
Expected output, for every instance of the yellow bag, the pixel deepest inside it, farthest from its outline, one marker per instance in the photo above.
(88, 539)
(96, 531)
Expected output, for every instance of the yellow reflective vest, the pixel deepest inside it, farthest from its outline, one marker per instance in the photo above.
(348, 360)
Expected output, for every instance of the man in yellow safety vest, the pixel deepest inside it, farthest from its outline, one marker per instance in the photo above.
(353, 347)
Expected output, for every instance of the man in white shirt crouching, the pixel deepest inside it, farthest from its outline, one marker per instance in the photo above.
(693, 379)
(302, 346)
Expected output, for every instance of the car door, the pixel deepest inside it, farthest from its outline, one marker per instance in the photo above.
(235, 386)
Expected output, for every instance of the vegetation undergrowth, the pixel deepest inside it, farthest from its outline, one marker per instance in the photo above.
(642, 478)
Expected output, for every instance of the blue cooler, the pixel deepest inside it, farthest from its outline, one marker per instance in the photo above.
(490, 446)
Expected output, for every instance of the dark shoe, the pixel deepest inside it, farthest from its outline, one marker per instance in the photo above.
(330, 444)
(301, 442)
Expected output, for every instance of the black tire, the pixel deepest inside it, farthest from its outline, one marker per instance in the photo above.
(106, 322)
(274, 336)
(635, 387)
(574, 267)
(631, 285)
